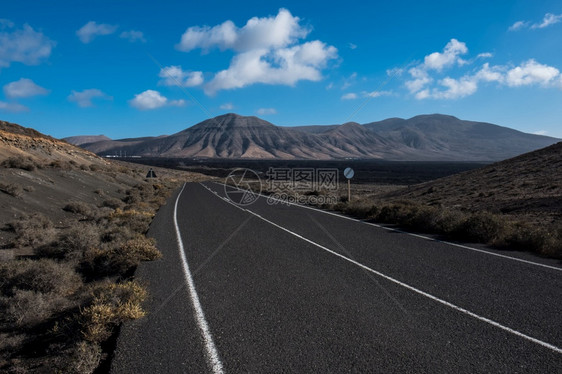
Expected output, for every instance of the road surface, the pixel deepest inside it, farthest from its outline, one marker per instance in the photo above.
(275, 288)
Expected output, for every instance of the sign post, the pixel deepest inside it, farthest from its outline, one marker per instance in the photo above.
(348, 173)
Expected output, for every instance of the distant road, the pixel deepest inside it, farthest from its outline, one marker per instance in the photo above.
(277, 288)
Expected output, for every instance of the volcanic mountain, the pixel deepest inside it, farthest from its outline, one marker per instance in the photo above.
(428, 138)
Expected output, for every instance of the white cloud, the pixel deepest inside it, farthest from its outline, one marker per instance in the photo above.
(133, 36)
(258, 33)
(267, 51)
(89, 31)
(548, 20)
(485, 55)
(180, 102)
(487, 74)
(284, 66)
(349, 96)
(449, 56)
(373, 94)
(151, 99)
(352, 46)
(518, 25)
(148, 99)
(84, 98)
(12, 107)
(175, 76)
(531, 72)
(23, 45)
(227, 106)
(541, 132)
(23, 88)
(421, 79)
(456, 89)
(266, 111)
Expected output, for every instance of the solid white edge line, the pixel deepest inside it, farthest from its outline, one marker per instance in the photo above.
(412, 234)
(212, 354)
(411, 288)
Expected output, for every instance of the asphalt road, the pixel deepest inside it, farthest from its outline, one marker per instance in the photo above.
(276, 288)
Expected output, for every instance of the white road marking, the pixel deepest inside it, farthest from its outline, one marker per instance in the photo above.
(411, 288)
(412, 234)
(212, 354)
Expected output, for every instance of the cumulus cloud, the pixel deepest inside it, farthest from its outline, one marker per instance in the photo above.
(175, 76)
(23, 88)
(352, 46)
(258, 33)
(349, 96)
(423, 85)
(23, 45)
(266, 111)
(12, 107)
(151, 99)
(91, 30)
(449, 56)
(548, 20)
(531, 72)
(267, 51)
(84, 98)
(518, 25)
(227, 106)
(133, 36)
(284, 66)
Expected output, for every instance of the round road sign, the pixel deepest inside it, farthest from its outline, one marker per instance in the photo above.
(348, 173)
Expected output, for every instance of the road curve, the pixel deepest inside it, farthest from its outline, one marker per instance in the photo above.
(277, 288)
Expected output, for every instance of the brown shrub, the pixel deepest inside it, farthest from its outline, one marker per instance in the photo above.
(11, 189)
(24, 163)
(85, 358)
(89, 211)
(111, 305)
(119, 258)
(33, 230)
(482, 227)
(44, 276)
(72, 243)
(28, 307)
(113, 203)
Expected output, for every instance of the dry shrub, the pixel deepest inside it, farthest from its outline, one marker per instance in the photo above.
(137, 220)
(89, 211)
(25, 308)
(119, 258)
(44, 275)
(33, 230)
(24, 163)
(113, 203)
(72, 243)
(111, 305)
(482, 227)
(85, 358)
(11, 189)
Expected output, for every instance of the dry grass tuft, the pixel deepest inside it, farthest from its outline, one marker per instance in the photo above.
(112, 304)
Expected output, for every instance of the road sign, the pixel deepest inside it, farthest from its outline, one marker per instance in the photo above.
(348, 173)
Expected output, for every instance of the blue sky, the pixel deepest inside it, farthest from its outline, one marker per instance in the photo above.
(139, 68)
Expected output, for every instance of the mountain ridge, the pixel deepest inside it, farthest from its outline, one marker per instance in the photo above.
(429, 137)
